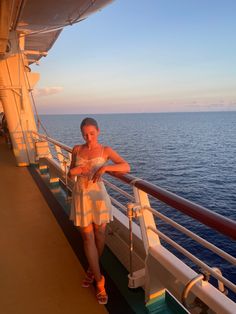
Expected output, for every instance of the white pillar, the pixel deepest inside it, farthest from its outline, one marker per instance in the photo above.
(15, 83)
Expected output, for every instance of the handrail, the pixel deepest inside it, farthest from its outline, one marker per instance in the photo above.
(209, 218)
(193, 236)
(51, 140)
(122, 192)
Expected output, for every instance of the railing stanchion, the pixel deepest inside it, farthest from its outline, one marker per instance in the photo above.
(136, 278)
(130, 216)
(66, 178)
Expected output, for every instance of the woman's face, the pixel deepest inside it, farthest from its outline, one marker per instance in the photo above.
(90, 134)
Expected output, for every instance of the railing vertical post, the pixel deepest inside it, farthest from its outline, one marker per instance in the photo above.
(69, 157)
(66, 177)
(136, 278)
(42, 150)
(146, 220)
(130, 216)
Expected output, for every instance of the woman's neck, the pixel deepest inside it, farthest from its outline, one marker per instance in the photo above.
(92, 146)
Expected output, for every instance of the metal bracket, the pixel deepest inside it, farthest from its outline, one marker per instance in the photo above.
(134, 210)
(188, 287)
(221, 286)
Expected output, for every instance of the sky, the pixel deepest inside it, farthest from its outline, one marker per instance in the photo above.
(143, 56)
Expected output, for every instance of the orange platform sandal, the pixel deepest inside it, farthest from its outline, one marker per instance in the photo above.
(101, 294)
(88, 280)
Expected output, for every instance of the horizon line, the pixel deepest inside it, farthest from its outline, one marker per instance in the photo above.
(150, 112)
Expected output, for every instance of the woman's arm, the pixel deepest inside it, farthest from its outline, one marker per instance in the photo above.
(120, 164)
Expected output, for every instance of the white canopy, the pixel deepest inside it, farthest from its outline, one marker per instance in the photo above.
(41, 21)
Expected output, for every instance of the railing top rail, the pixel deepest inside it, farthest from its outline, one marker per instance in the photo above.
(51, 140)
(194, 236)
(209, 218)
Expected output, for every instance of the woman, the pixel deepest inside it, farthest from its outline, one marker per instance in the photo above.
(91, 206)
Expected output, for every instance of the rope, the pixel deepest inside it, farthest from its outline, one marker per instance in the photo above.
(39, 122)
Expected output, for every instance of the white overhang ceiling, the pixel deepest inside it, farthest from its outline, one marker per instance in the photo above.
(41, 21)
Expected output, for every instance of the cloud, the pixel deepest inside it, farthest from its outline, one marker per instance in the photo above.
(47, 91)
(212, 105)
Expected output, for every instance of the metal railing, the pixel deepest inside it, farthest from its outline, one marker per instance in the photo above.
(142, 189)
(209, 218)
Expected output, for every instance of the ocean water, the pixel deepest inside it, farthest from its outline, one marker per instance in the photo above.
(190, 154)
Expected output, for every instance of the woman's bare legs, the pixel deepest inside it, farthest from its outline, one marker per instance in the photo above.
(91, 250)
(94, 241)
(99, 233)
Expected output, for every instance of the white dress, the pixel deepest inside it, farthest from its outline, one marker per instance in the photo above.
(90, 201)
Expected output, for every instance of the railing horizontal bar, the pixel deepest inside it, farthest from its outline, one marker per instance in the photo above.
(55, 157)
(63, 155)
(194, 259)
(200, 213)
(195, 237)
(114, 201)
(114, 187)
(51, 140)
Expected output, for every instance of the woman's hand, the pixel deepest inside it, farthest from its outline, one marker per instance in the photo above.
(80, 170)
(84, 170)
(98, 174)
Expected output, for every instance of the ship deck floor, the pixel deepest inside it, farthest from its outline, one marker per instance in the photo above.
(39, 271)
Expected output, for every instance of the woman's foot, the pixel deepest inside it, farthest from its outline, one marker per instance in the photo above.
(88, 280)
(101, 294)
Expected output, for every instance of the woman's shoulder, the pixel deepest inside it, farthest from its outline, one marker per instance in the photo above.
(108, 151)
(76, 148)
